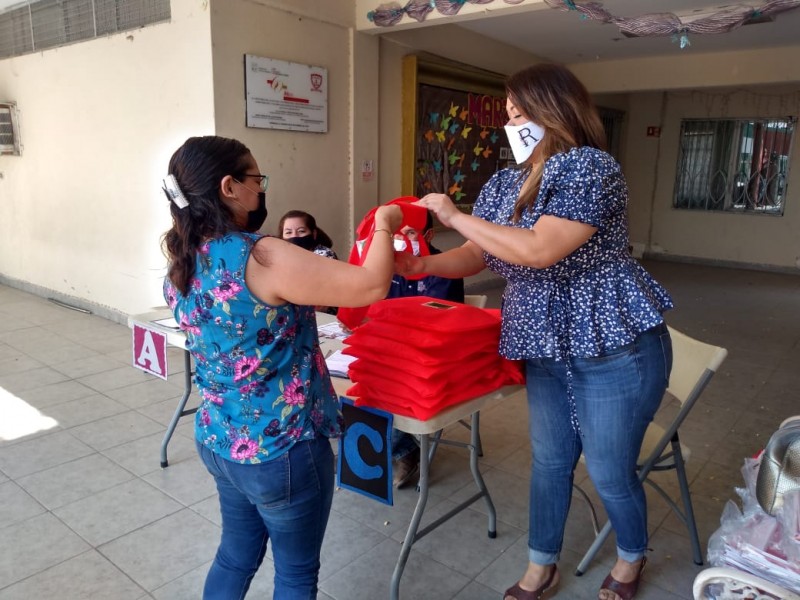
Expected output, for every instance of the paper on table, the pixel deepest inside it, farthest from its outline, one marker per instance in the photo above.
(332, 331)
(168, 322)
(338, 363)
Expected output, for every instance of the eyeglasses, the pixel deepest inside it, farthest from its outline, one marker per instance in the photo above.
(263, 180)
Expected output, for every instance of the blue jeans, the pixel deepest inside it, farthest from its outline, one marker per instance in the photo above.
(616, 396)
(287, 500)
(403, 444)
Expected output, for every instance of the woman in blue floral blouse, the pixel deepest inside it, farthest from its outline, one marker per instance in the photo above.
(267, 407)
(582, 313)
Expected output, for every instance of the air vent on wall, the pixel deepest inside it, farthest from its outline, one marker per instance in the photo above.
(9, 129)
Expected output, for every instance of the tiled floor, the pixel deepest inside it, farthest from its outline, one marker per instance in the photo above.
(86, 512)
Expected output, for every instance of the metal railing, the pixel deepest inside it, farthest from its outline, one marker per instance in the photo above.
(735, 165)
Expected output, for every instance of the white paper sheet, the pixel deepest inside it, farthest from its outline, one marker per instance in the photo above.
(338, 363)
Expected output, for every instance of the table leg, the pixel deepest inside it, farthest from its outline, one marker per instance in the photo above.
(474, 451)
(469, 427)
(411, 534)
(179, 410)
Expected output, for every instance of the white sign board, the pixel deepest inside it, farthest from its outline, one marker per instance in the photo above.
(285, 95)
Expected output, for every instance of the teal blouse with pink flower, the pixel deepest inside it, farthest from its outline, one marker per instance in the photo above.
(262, 378)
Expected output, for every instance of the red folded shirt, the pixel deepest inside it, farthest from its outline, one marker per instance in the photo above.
(402, 400)
(417, 356)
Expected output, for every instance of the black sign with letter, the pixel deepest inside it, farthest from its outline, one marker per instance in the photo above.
(365, 452)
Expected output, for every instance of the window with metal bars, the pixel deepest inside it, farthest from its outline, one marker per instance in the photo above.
(734, 165)
(9, 132)
(42, 24)
(612, 124)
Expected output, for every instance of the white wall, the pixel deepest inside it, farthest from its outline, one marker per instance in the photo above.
(688, 70)
(651, 163)
(81, 212)
(308, 171)
(664, 90)
(365, 140)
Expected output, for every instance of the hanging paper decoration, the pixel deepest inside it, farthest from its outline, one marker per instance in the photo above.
(391, 13)
(724, 19)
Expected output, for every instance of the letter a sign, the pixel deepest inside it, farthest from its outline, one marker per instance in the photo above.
(150, 351)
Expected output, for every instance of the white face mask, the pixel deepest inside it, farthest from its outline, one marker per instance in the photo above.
(400, 246)
(523, 139)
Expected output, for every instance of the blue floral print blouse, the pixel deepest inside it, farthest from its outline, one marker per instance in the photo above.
(596, 299)
(262, 378)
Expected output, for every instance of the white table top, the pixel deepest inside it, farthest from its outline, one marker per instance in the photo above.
(452, 414)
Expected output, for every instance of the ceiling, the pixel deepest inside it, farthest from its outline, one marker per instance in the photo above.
(563, 36)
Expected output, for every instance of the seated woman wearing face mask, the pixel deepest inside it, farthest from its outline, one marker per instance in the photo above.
(300, 228)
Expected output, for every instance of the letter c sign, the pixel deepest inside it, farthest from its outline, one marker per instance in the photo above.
(365, 452)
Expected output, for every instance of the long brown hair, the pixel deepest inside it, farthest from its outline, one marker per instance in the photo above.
(552, 97)
(199, 166)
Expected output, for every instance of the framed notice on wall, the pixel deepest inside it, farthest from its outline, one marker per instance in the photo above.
(285, 95)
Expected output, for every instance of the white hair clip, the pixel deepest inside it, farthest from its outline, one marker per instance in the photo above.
(173, 191)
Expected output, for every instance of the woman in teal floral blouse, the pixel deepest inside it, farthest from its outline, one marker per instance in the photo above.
(267, 406)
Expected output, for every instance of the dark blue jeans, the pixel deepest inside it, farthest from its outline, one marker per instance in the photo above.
(616, 396)
(286, 500)
(403, 444)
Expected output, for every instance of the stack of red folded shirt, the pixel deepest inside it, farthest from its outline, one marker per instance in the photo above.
(417, 356)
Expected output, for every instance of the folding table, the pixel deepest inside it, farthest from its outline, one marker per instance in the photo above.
(429, 433)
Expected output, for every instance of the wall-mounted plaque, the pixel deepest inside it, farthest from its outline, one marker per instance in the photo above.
(285, 95)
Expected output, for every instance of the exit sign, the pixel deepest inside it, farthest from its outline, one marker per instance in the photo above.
(653, 131)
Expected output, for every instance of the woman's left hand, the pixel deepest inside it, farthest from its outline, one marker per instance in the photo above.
(441, 206)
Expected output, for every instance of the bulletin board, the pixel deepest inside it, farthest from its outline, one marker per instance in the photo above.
(453, 137)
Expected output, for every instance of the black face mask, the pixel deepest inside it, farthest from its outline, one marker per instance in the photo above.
(256, 218)
(307, 241)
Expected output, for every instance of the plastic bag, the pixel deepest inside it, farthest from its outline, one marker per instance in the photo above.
(753, 541)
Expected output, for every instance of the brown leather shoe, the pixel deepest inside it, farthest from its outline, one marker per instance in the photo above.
(546, 590)
(628, 590)
(405, 469)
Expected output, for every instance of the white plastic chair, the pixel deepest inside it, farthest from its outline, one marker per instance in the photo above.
(694, 364)
(721, 583)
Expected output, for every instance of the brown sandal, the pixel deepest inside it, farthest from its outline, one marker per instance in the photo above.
(628, 590)
(546, 590)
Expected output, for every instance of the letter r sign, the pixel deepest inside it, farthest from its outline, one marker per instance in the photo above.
(150, 351)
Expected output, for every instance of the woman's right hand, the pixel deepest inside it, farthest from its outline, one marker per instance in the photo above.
(406, 264)
(441, 205)
(388, 217)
